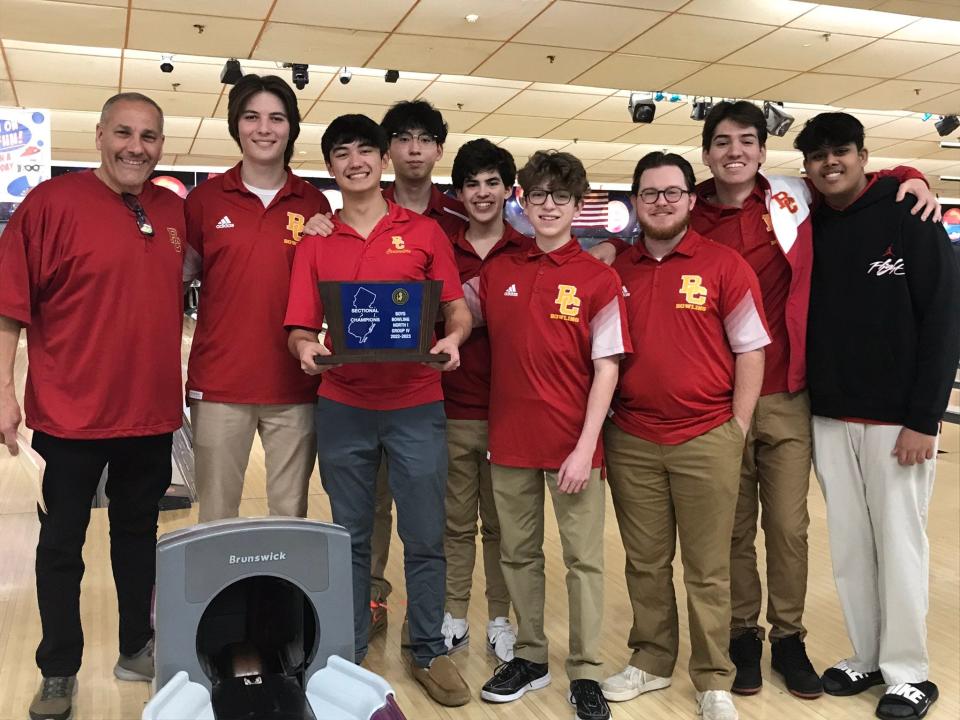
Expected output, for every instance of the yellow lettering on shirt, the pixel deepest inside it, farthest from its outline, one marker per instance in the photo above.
(567, 300)
(692, 287)
(295, 222)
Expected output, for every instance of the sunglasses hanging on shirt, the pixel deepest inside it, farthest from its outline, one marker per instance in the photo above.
(143, 223)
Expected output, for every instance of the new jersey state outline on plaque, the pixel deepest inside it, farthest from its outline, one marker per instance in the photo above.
(364, 317)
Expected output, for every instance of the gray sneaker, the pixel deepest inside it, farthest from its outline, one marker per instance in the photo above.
(137, 667)
(54, 699)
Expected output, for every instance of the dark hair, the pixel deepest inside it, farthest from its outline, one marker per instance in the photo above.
(130, 97)
(831, 129)
(408, 115)
(250, 85)
(742, 112)
(661, 159)
(479, 156)
(558, 170)
(352, 128)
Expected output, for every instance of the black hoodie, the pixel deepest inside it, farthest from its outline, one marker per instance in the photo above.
(884, 325)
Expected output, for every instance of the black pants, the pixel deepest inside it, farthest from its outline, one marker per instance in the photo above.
(138, 476)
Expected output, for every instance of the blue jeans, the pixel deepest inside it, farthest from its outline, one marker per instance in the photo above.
(350, 443)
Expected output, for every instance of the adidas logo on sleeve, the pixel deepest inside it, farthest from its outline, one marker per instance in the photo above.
(511, 291)
(224, 223)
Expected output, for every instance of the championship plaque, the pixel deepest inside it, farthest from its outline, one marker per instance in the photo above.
(381, 321)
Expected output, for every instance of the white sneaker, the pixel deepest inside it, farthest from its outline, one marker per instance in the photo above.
(631, 682)
(501, 637)
(456, 633)
(716, 705)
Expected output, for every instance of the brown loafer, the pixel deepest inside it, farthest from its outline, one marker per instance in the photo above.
(442, 681)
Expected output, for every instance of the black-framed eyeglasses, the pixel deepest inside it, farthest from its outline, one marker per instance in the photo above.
(539, 197)
(405, 138)
(143, 222)
(671, 195)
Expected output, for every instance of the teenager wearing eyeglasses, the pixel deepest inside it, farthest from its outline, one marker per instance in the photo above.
(92, 265)
(673, 446)
(557, 328)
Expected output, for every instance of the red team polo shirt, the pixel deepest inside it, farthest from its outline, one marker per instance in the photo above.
(403, 246)
(689, 314)
(239, 352)
(466, 390)
(103, 306)
(448, 212)
(549, 316)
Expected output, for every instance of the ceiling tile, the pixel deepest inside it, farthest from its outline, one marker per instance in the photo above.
(930, 30)
(875, 59)
(514, 125)
(323, 46)
(896, 95)
(819, 88)
(213, 129)
(459, 122)
(174, 33)
(586, 150)
(180, 103)
(373, 90)
(906, 149)
(471, 98)
(653, 73)
(592, 27)
(197, 160)
(946, 70)
(690, 37)
(944, 9)
(611, 109)
(913, 127)
(193, 77)
(324, 111)
(62, 97)
(532, 62)
(523, 148)
(378, 15)
(66, 140)
(731, 81)
(948, 104)
(77, 121)
(654, 134)
(612, 167)
(595, 130)
(548, 104)
(87, 156)
(210, 146)
(852, 21)
(499, 19)
(432, 54)
(759, 11)
(583, 89)
(485, 81)
(795, 49)
(252, 9)
(457, 140)
(26, 65)
(53, 22)
(634, 153)
(641, 4)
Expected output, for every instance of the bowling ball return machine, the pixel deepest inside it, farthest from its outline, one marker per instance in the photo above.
(254, 621)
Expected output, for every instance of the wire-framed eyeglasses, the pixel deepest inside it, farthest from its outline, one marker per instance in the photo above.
(424, 139)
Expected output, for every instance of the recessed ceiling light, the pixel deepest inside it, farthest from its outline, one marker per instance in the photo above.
(471, 18)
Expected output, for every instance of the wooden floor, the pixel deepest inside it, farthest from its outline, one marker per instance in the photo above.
(101, 697)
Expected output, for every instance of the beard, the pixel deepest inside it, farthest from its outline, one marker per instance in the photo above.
(664, 232)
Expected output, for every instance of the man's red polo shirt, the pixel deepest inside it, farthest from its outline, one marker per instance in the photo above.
(103, 306)
(549, 316)
(239, 352)
(403, 246)
(448, 212)
(689, 313)
(466, 390)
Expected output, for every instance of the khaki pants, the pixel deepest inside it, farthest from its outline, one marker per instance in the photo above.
(658, 491)
(380, 587)
(776, 476)
(469, 493)
(518, 493)
(222, 437)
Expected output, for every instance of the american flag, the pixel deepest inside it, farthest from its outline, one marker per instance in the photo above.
(594, 213)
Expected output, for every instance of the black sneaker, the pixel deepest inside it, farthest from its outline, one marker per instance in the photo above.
(587, 697)
(745, 652)
(511, 680)
(842, 680)
(791, 661)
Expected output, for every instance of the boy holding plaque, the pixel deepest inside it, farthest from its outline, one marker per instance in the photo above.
(557, 326)
(366, 409)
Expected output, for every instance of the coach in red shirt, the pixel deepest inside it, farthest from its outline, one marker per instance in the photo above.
(557, 330)
(367, 409)
(91, 265)
(242, 229)
(675, 439)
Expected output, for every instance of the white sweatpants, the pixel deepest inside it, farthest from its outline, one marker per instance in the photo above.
(877, 517)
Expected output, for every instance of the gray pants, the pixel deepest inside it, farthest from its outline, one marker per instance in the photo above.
(877, 517)
(350, 442)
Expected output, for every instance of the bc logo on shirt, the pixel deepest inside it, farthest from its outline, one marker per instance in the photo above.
(399, 247)
(295, 223)
(691, 286)
(569, 304)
